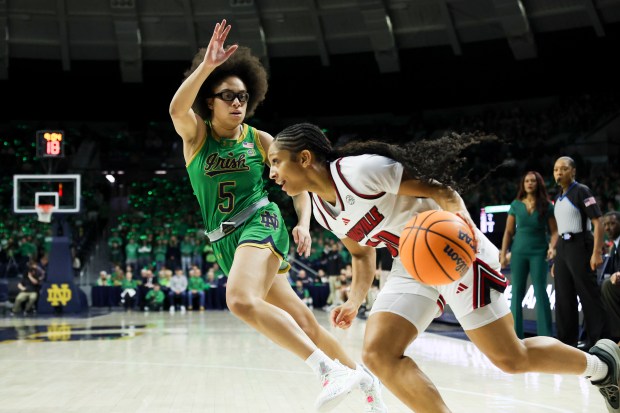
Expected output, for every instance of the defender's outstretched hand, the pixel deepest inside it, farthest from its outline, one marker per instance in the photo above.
(216, 54)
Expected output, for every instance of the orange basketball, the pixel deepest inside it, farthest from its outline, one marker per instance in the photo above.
(436, 247)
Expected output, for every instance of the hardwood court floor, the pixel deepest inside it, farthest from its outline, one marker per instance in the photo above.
(212, 363)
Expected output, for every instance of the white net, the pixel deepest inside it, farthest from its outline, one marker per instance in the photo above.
(45, 213)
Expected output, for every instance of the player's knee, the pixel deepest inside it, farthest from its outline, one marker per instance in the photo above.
(240, 305)
(511, 363)
(376, 359)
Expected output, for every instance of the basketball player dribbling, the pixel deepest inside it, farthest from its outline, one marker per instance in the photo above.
(225, 160)
(365, 193)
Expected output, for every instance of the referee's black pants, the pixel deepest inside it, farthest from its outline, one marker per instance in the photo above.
(574, 277)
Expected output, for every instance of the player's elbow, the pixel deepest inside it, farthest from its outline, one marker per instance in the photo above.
(174, 111)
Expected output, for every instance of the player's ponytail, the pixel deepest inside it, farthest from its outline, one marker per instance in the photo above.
(438, 160)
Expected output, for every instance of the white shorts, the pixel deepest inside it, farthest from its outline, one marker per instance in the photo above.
(477, 299)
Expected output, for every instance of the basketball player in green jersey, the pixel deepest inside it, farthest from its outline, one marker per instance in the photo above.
(225, 159)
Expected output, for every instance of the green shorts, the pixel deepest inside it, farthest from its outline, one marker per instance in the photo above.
(264, 229)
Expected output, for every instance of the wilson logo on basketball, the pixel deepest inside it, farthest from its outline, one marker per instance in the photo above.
(461, 265)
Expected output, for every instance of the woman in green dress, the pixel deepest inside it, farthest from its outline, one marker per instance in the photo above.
(530, 231)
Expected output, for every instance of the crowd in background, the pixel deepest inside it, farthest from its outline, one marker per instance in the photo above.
(157, 231)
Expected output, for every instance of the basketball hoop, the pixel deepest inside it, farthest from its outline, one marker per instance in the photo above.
(44, 212)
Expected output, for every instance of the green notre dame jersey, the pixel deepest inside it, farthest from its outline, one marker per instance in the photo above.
(227, 175)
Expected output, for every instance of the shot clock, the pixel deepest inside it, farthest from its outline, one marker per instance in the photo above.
(50, 144)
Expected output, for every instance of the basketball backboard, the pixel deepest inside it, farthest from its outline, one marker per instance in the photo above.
(61, 191)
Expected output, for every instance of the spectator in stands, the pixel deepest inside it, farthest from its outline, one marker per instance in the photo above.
(197, 258)
(129, 291)
(305, 279)
(47, 241)
(178, 290)
(211, 292)
(196, 288)
(163, 278)
(173, 254)
(610, 289)
(160, 251)
(131, 254)
(28, 287)
(147, 281)
(578, 255)
(303, 293)
(118, 275)
(148, 278)
(27, 251)
(40, 269)
(187, 252)
(155, 299)
(530, 233)
(333, 265)
(104, 280)
(12, 265)
(145, 251)
(115, 245)
(209, 255)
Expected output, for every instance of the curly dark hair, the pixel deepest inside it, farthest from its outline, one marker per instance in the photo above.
(242, 64)
(542, 198)
(440, 160)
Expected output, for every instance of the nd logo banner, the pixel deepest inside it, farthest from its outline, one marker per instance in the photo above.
(59, 295)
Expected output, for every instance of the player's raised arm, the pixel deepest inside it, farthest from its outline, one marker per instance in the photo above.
(186, 122)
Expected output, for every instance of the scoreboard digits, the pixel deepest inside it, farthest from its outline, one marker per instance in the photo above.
(50, 144)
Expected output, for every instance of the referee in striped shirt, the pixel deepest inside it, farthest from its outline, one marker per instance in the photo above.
(578, 253)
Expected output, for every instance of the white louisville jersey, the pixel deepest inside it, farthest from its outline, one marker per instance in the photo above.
(368, 209)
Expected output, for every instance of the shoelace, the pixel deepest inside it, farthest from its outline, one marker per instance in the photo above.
(610, 392)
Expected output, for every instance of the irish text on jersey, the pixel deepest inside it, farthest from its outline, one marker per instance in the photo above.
(216, 165)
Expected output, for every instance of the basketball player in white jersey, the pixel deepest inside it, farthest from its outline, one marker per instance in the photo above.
(365, 193)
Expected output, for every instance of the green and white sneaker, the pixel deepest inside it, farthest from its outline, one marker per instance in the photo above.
(609, 352)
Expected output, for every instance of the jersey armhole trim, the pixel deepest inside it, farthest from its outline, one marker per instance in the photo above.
(259, 144)
(206, 136)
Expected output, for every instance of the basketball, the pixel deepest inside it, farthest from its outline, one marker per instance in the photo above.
(436, 247)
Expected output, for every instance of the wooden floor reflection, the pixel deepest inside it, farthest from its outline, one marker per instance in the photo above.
(211, 362)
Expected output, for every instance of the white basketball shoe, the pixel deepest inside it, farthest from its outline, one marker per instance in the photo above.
(337, 383)
(371, 387)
